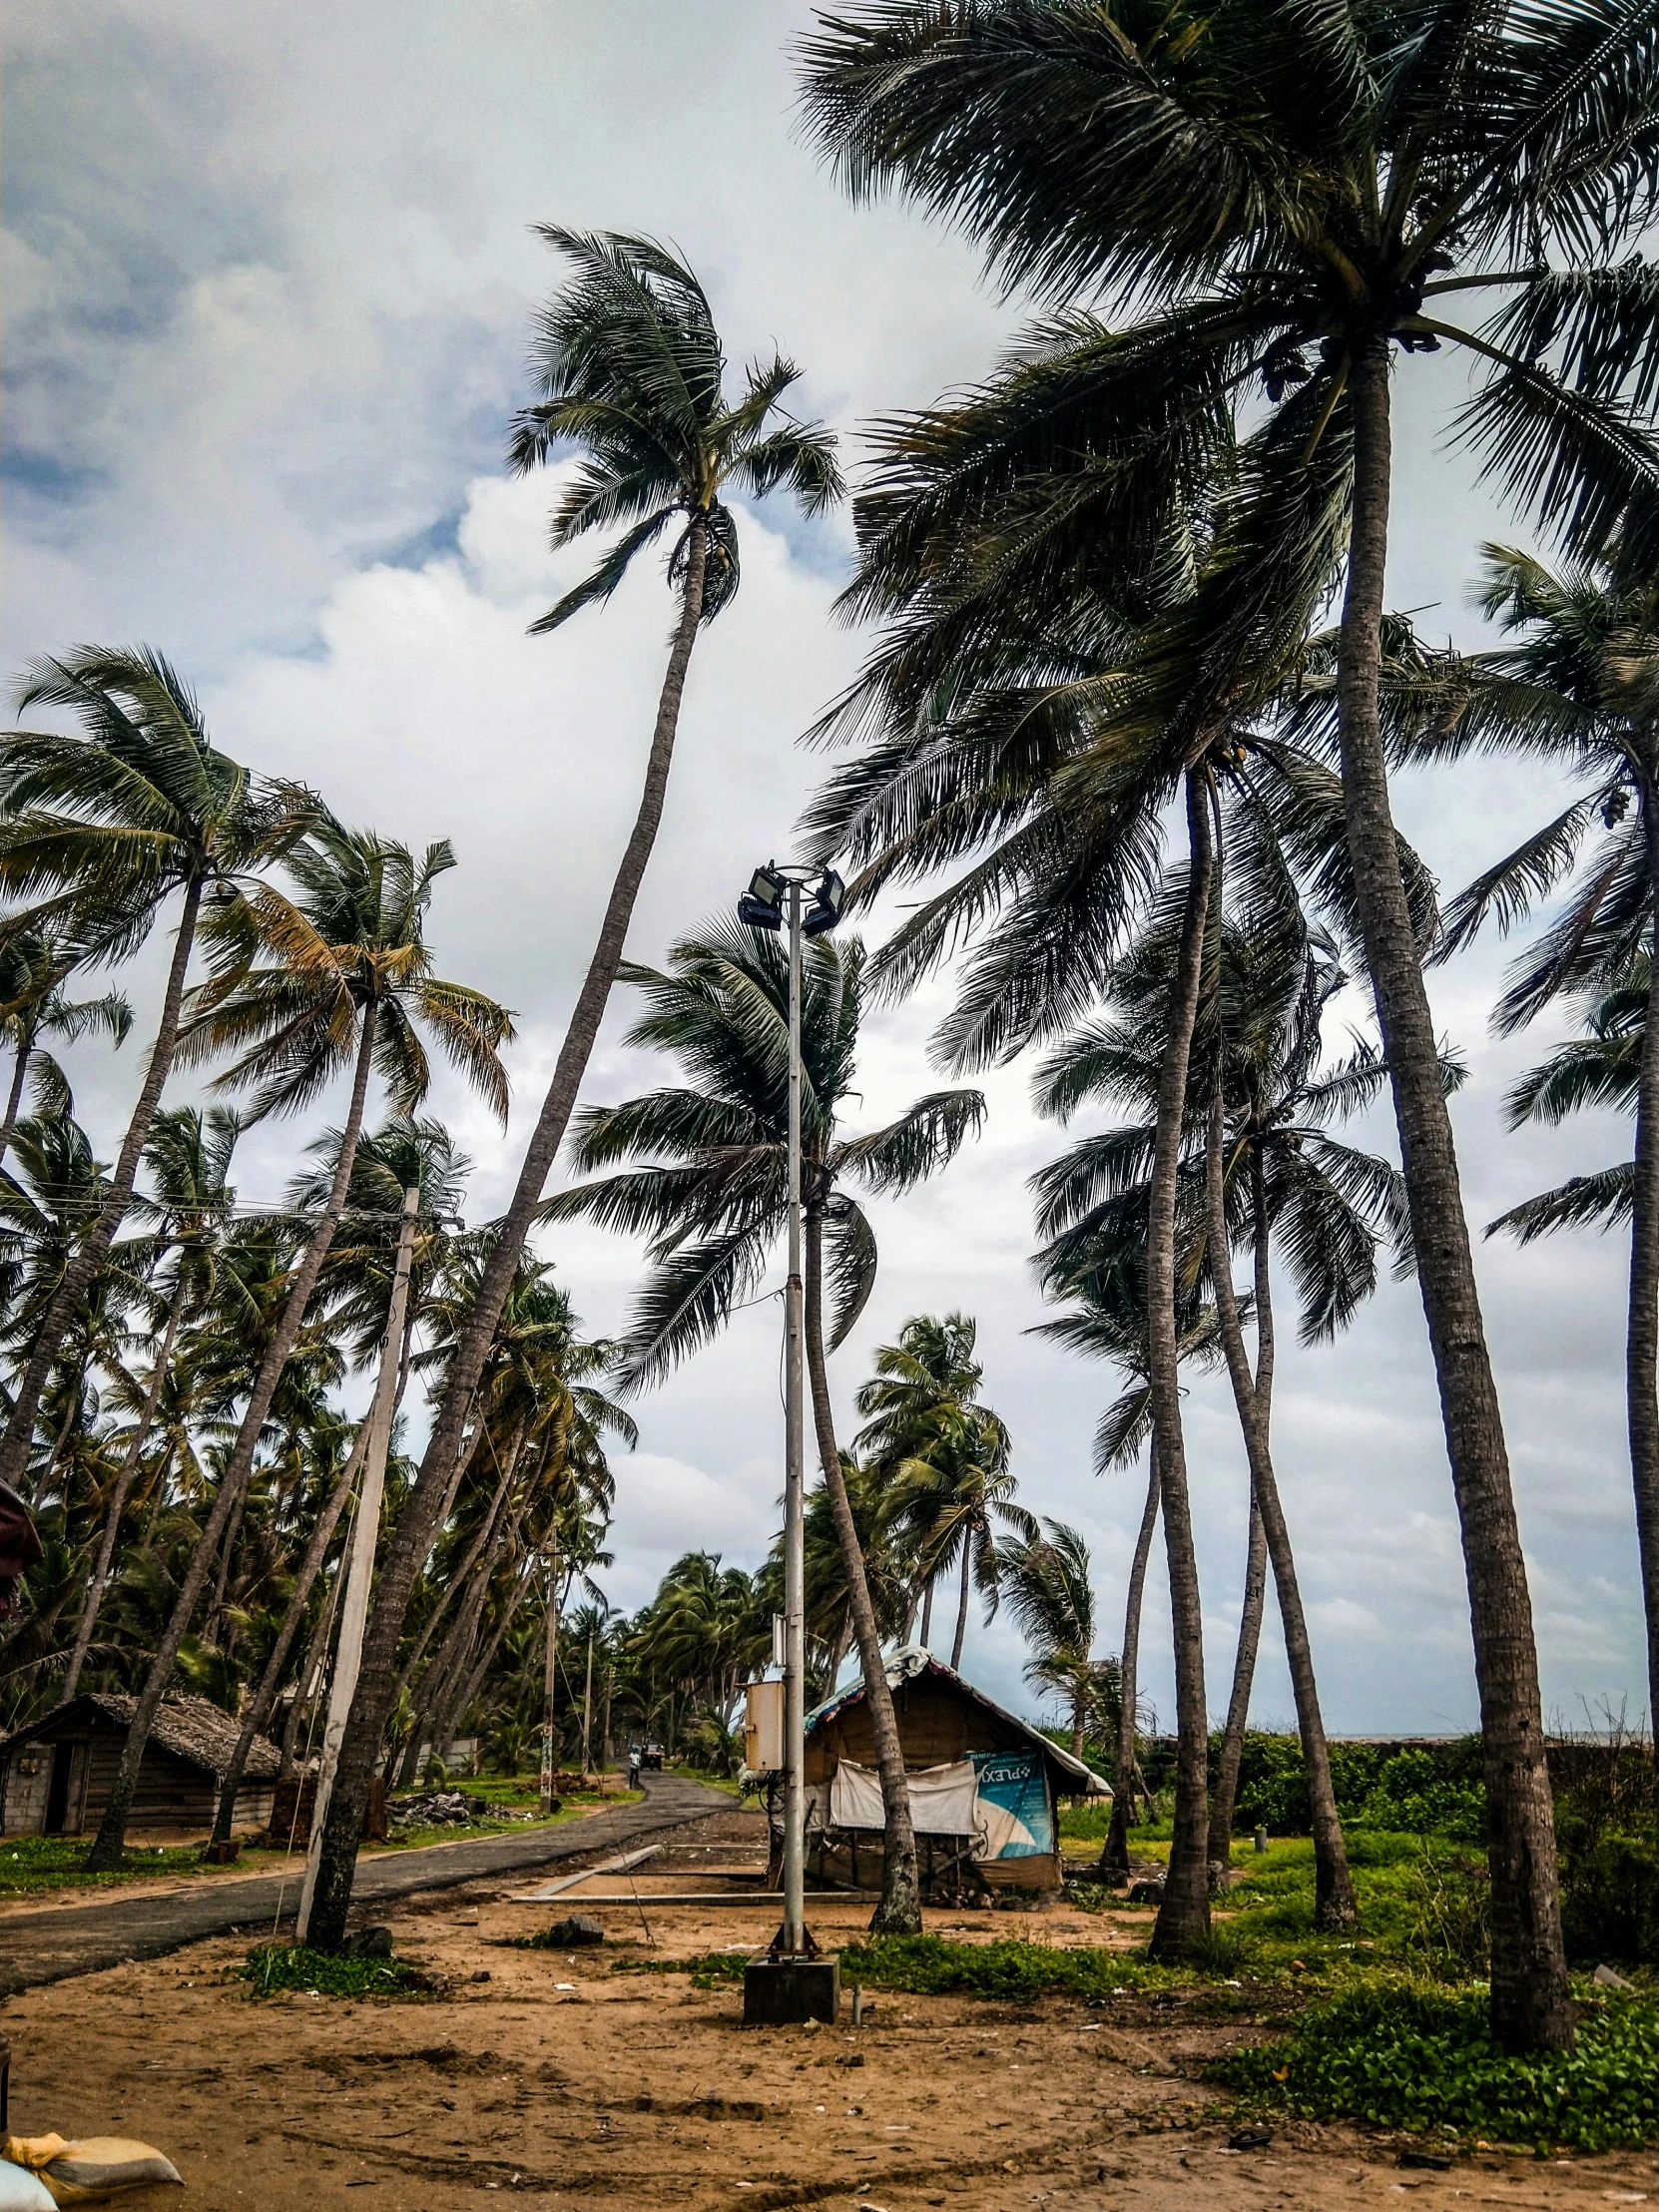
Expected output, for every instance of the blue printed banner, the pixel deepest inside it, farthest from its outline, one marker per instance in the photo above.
(1011, 1792)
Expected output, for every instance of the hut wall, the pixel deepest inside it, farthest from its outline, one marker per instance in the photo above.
(172, 1793)
(937, 1724)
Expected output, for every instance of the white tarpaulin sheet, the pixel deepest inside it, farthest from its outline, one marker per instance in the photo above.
(943, 1800)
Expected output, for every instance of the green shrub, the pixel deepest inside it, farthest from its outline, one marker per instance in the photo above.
(329, 1974)
(1611, 1899)
(1413, 2056)
(1414, 1796)
(1011, 1968)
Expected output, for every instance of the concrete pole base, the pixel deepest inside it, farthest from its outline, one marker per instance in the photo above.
(781, 1993)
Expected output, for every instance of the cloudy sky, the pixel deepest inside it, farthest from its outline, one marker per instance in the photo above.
(270, 274)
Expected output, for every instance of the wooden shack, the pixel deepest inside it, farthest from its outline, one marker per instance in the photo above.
(984, 1787)
(55, 1775)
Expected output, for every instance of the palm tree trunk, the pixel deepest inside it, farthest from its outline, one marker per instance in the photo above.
(927, 1611)
(14, 1099)
(1642, 1325)
(960, 1637)
(1335, 1909)
(126, 1475)
(109, 1845)
(264, 1697)
(899, 1911)
(89, 1257)
(405, 1674)
(1225, 1795)
(419, 1524)
(1532, 2009)
(1184, 1915)
(1114, 1858)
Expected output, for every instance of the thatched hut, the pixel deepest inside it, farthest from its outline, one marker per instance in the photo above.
(984, 1787)
(55, 1775)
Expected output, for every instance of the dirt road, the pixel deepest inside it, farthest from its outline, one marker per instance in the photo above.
(569, 2079)
(119, 1926)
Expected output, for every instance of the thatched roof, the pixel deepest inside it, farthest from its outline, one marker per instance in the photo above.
(912, 1660)
(191, 1728)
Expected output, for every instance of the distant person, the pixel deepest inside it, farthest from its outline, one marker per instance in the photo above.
(633, 1766)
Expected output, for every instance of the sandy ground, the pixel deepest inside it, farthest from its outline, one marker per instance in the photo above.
(559, 2078)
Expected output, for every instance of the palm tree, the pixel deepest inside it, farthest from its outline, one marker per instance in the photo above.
(1577, 686)
(1265, 184)
(406, 1154)
(34, 966)
(713, 1215)
(1049, 1592)
(946, 1457)
(336, 976)
(931, 1367)
(101, 831)
(632, 370)
(188, 1158)
(1100, 1271)
(1266, 1169)
(1043, 703)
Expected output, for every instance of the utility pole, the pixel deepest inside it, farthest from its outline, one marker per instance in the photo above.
(587, 1712)
(550, 1666)
(360, 1570)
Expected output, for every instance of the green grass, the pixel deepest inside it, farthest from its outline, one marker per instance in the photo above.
(271, 1967)
(32, 1863)
(1412, 2055)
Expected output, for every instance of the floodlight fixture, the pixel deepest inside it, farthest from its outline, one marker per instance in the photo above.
(828, 898)
(761, 906)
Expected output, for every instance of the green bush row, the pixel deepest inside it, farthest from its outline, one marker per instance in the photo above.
(1421, 2058)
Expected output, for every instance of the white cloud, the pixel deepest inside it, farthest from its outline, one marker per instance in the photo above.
(270, 282)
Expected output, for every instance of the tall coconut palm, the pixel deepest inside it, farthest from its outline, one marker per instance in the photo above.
(1042, 702)
(931, 1367)
(34, 966)
(1046, 1577)
(1577, 686)
(188, 1159)
(99, 833)
(407, 1153)
(713, 1214)
(631, 370)
(336, 976)
(1101, 1275)
(946, 1457)
(1264, 1168)
(1281, 199)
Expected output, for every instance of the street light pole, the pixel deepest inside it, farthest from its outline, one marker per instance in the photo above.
(794, 1983)
(795, 1570)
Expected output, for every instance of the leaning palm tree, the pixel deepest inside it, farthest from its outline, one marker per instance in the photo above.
(1050, 711)
(1279, 198)
(946, 1457)
(631, 370)
(335, 976)
(99, 833)
(1577, 686)
(1264, 1170)
(928, 1372)
(188, 1159)
(713, 1200)
(407, 1153)
(1100, 1274)
(34, 966)
(1051, 1596)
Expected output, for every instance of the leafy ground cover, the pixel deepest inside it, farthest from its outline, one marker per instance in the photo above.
(31, 1864)
(271, 1969)
(1413, 2055)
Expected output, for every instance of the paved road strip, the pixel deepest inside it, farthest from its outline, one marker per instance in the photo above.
(51, 1946)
